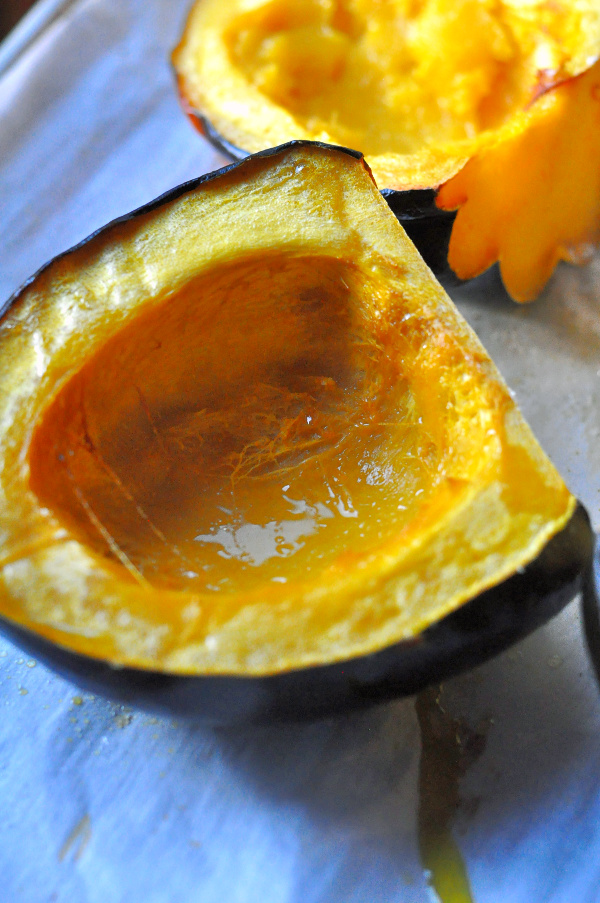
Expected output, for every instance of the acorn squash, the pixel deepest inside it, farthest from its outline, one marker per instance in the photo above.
(422, 89)
(252, 456)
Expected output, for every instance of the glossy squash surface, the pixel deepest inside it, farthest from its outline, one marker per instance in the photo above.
(253, 443)
(421, 89)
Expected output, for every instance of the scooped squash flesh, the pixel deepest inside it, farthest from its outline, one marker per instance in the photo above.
(411, 85)
(419, 87)
(248, 444)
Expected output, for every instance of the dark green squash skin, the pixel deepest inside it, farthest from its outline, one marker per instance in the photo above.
(202, 124)
(590, 605)
(427, 226)
(478, 630)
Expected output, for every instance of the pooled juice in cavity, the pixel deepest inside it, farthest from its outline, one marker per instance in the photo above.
(300, 494)
(310, 464)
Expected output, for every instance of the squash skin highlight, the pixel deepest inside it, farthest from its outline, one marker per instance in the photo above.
(63, 581)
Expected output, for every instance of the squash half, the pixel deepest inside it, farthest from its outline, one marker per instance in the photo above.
(421, 89)
(245, 434)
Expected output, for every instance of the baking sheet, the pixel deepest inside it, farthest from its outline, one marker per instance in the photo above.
(106, 805)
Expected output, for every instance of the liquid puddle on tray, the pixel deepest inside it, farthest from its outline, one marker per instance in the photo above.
(448, 748)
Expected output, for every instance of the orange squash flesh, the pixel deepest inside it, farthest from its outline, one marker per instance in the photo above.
(250, 444)
(421, 89)
(549, 210)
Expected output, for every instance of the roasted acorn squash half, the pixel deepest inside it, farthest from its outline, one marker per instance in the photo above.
(422, 88)
(252, 457)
